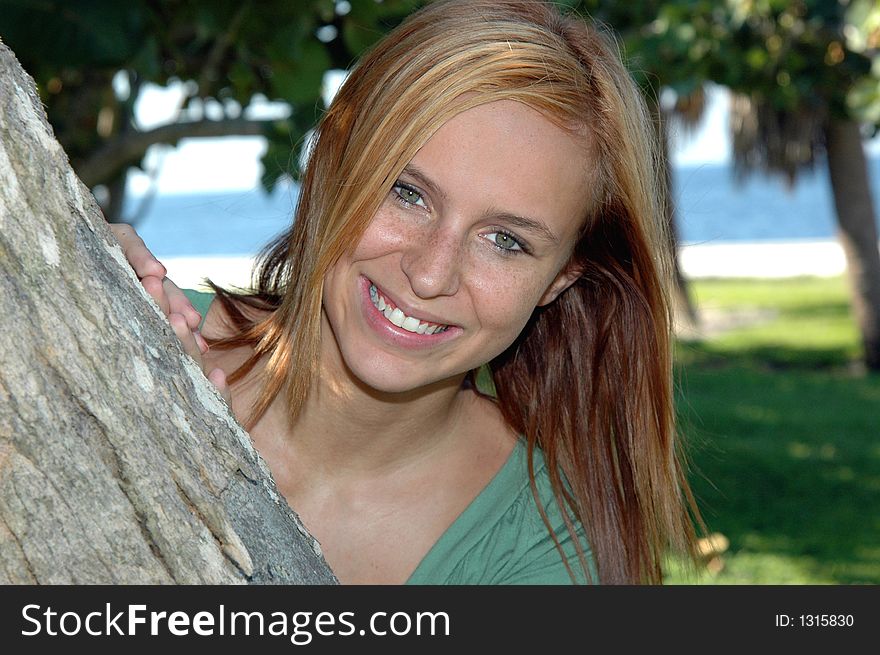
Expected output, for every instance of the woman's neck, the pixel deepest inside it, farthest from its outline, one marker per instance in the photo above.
(346, 427)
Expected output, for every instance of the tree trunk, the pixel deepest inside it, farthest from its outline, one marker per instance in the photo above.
(115, 206)
(685, 311)
(857, 229)
(119, 462)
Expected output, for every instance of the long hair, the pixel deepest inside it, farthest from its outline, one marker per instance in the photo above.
(589, 380)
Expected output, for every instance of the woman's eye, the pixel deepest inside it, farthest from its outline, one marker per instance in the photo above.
(409, 195)
(505, 242)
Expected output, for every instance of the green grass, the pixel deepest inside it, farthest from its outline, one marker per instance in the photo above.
(783, 432)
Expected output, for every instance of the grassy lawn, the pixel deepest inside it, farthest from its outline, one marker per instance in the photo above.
(783, 429)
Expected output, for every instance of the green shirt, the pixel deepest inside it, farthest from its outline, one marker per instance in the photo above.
(200, 300)
(500, 537)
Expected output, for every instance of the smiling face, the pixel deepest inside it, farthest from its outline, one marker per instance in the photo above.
(473, 236)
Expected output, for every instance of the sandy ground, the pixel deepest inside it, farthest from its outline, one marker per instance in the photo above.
(765, 259)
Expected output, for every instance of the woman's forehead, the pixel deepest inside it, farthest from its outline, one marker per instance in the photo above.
(507, 155)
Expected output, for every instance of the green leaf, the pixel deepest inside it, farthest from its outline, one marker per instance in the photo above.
(97, 32)
(300, 80)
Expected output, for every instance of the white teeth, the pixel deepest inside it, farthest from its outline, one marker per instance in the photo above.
(401, 320)
(397, 317)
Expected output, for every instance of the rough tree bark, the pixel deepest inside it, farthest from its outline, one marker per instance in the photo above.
(119, 463)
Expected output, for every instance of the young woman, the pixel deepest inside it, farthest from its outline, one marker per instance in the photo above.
(456, 362)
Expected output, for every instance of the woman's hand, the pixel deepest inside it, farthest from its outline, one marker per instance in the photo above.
(182, 316)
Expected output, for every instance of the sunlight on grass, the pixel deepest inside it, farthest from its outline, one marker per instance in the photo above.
(756, 568)
(783, 426)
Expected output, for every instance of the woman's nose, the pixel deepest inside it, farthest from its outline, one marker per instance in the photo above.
(432, 262)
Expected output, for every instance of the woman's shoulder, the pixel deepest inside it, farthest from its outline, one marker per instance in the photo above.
(501, 538)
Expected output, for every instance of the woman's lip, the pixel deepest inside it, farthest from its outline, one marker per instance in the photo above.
(407, 309)
(397, 335)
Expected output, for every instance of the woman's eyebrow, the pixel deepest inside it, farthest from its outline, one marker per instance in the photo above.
(424, 180)
(532, 225)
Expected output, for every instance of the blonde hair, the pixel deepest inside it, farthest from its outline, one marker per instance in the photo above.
(611, 452)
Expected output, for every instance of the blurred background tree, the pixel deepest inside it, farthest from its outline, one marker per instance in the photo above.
(91, 60)
(806, 81)
(806, 78)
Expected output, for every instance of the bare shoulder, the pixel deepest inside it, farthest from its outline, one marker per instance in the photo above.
(216, 322)
(488, 432)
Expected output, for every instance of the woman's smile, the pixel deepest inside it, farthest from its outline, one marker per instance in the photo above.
(397, 323)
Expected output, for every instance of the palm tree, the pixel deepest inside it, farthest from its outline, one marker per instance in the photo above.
(687, 111)
(794, 108)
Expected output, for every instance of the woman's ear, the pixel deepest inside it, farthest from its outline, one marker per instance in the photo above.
(567, 276)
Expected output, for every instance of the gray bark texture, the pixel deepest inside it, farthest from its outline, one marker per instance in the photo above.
(119, 462)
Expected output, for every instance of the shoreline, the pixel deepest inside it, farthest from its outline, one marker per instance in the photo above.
(760, 259)
(763, 259)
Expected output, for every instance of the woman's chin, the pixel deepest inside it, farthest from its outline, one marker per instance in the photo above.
(393, 381)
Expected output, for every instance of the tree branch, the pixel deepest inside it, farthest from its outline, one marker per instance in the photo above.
(128, 149)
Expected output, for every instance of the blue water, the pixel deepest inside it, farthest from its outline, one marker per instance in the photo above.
(711, 209)
(235, 223)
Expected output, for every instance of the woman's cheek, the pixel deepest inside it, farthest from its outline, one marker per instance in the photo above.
(505, 299)
(385, 233)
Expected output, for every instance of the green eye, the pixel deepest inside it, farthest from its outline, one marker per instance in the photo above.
(504, 241)
(408, 196)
